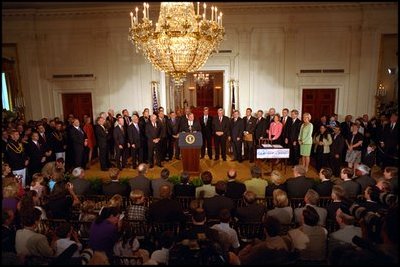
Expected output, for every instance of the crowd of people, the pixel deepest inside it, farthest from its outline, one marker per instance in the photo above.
(363, 205)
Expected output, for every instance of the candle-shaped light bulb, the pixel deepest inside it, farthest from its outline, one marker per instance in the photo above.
(204, 14)
(144, 10)
(131, 19)
(212, 13)
(216, 13)
(220, 21)
(148, 12)
(198, 8)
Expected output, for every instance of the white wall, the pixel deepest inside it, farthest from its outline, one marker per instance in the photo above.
(270, 45)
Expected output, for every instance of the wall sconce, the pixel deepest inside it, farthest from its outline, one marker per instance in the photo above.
(217, 87)
(391, 71)
(191, 88)
(381, 91)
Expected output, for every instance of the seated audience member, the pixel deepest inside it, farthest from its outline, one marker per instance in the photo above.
(116, 201)
(87, 214)
(213, 205)
(324, 188)
(369, 158)
(115, 186)
(252, 211)
(104, 231)
(346, 232)
(29, 202)
(5, 170)
(363, 177)
(61, 199)
(161, 256)
(166, 209)
(197, 230)
(30, 243)
(278, 182)
(137, 211)
(310, 238)
(10, 199)
(274, 249)
(128, 246)
(141, 181)
(49, 167)
(338, 197)
(8, 231)
(299, 184)
(227, 235)
(184, 188)
(371, 202)
(81, 185)
(234, 189)
(311, 199)
(384, 185)
(207, 188)
(390, 174)
(351, 188)
(256, 184)
(281, 211)
(65, 233)
(157, 183)
(37, 184)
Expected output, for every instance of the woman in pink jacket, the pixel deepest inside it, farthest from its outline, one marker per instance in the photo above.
(275, 130)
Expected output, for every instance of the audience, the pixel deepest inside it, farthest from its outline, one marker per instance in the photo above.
(234, 189)
(277, 182)
(256, 184)
(141, 182)
(213, 205)
(184, 188)
(206, 190)
(115, 186)
(252, 211)
(281, 211)
(351, 188)
(137, 211)
(81, 184)
(363, 178)
(157, 183)
(311, 199)
(324, 188)
(299, 184)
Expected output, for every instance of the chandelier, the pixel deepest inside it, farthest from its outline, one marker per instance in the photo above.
(201, 78)
(181, 40)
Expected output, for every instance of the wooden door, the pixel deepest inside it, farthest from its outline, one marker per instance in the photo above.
(78, 105)
(205, 94)
(318, 102)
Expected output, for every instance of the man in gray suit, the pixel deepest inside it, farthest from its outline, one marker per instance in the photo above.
(157, 183)
(346, 232)
(141, 181)
(81, 185)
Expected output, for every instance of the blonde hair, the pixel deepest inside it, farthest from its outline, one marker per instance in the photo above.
(11, 190)
(116, 201)
(4, 166)
(277, 177)
(307, 114)
(136, 195)
(280, 198)
(88, 206)
(311, 197)
(37, 178)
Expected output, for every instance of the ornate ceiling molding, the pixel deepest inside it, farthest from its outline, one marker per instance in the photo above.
(228, 8)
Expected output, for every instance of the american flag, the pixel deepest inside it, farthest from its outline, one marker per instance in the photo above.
(155, 101)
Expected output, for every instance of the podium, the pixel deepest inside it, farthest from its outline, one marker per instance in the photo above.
(190, 145)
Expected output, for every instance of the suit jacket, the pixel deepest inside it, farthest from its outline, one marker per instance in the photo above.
(338, 145)
(235, 189)
(221, 127)
(391, 138)
(81, 186)
(184, 190)
(213, 205)
(331, 209)
(134, 135)
(260, 129)
(35, 154)
(324, 189)
(141, 182)
(173, 128)
(251, 213)
(182, 122)
(77, 140)
(101, 135)
(195, 127)
(206, 128)
(166, 210)
(345, 129)
(152, 132)
(268, 120)
(351, 188)
(249, 125)
(162, 123)
(55, 144)
(119, 136)
(298, 186)
(143, 122)
(293, 130)
(286, 127)
(237, 129)
(364, 181)
(269, 190)
(113, 188)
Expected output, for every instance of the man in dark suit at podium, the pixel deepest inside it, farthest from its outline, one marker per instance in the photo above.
(184, 119)
(206, 131)
(221, 133)
(192, 125)
(153, 132)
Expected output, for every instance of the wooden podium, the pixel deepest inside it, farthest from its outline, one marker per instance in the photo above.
(190, 145)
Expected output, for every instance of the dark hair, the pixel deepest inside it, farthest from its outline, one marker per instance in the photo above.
(348, 171)
(310, 215)
(29, 219)
(225, 215)
(272, 226)
(206, 177)
(63, 229)
(327, 172)
(185, 177)
(167, 239)
(199, 215)
(220, 187)
(255, 172)
(106, 212)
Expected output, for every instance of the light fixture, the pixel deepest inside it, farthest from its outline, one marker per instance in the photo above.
(201, 78)
(391, 71)
(181, 41)
(381, 91)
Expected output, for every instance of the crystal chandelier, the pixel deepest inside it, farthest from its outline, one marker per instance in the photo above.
(201, 78)
(181, 41)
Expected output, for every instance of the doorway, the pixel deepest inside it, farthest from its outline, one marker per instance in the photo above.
(77, 104)
(318, 102)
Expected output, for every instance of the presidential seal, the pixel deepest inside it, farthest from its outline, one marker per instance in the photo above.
(190, 139)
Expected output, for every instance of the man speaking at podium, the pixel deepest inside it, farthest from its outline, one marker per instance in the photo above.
(192, 125)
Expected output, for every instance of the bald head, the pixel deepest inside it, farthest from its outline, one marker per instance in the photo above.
(142, 168)
(231, 174)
